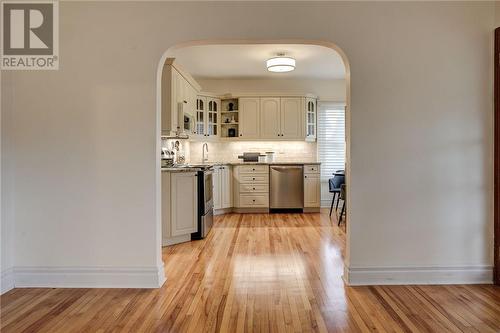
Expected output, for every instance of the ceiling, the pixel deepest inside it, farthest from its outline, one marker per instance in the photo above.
(249, 61)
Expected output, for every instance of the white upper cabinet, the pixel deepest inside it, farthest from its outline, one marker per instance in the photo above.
(176, 89)
(291, 118)
(207, 117)
(270, 118)
(212, 112)
(249, 114)
(201, 103)
(311, 118)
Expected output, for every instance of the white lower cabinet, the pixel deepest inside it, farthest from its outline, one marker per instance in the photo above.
(252, 187)
(312, 186)
(223, 187)
(217, 189)
(179, 206)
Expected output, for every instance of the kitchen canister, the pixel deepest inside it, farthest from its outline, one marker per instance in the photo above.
(269, 156)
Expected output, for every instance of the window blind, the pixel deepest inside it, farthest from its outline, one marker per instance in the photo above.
(331, 138)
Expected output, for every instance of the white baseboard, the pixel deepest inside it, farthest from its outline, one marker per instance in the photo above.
(89, 277)
(7, 280)
(176, 240)
(360, 276)
(326, 203)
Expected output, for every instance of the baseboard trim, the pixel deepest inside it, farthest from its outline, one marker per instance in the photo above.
(360, 276)
(176, 240)
(7, 280)
(222, 211)
(89, 277)
(251, 210)
(326, 203)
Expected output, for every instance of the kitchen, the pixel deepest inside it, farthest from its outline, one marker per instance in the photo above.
(247, 141)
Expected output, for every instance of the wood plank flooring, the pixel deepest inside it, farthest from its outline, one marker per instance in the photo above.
(256, 273)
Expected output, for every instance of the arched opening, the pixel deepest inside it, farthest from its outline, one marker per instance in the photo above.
(161, 65)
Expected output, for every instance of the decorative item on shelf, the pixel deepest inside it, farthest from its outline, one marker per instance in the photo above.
(230, 107)
(233, 120)
(227, 121)
(231, 132)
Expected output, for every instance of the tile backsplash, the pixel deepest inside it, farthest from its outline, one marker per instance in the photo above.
(285, 151)
(183, 147)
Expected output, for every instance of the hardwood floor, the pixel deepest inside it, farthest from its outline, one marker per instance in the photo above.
(256, 273)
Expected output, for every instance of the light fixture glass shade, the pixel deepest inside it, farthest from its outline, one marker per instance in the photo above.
(280, 64)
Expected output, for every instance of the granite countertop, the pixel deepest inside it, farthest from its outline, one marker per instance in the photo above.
(194, 168)
(263, 163)
(179, 169)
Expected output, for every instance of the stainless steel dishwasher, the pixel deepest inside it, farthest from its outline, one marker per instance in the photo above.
(286, 186)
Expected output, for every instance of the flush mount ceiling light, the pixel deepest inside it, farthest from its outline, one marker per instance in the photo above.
(280, 64)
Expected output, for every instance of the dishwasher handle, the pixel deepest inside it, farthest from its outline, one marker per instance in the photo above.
(286, 167)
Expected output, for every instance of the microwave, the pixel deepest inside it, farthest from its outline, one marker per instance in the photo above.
(188, 123)
(187, 119)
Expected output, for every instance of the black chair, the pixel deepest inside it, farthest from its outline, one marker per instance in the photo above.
(334, 185)
(343, 198)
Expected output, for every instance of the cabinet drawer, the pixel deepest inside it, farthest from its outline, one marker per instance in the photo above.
(311, 168)
(254, 178)
(252, 188)
(253, 169)
(254, 200)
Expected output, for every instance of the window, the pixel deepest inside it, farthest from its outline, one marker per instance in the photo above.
(331, 138)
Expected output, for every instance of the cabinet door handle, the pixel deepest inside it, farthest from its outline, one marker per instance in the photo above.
(241, 134)
(305, 176)
(253, 178)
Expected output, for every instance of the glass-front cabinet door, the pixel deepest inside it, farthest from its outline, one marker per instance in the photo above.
(207, 116)
(200, 115)
(212, 113)
(311, 114)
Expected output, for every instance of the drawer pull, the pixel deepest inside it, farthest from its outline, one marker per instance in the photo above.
(253, 178)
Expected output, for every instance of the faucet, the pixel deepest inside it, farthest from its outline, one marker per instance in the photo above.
(204, 159)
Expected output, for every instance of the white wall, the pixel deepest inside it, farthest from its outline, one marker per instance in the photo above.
(82, 139)
(330, 90)
(6, 186)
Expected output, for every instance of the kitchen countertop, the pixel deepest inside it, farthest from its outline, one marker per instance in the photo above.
(194, 168)
(264, 163)
(179, 169)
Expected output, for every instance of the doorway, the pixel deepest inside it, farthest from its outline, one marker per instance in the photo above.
(170, 53)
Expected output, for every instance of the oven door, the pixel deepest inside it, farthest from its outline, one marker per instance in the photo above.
(208, 190)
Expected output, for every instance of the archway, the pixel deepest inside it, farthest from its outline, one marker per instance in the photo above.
(160, 68)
